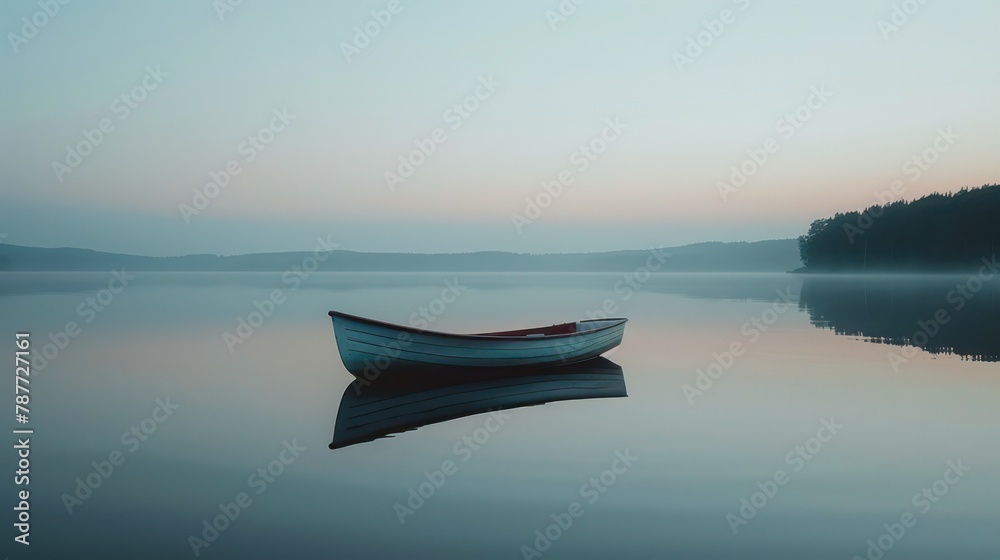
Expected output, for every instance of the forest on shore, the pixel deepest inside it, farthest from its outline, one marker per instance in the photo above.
(935, 233)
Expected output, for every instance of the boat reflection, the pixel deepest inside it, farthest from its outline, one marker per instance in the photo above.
(368, 412)
(942, 315)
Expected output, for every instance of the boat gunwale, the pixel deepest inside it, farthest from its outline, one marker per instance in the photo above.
(616, 322)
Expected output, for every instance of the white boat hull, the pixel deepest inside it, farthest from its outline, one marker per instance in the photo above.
(369, 348)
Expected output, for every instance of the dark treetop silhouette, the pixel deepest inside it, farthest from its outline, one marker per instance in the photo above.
(939, 232)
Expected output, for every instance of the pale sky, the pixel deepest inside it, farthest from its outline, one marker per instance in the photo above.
(211, 80)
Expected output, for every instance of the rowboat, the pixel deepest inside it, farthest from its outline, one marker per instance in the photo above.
(368, 412)
(370, 348)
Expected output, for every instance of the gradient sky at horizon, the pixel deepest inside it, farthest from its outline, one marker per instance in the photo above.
(324, 175)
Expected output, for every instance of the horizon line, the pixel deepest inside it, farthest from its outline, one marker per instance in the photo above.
(2, 244)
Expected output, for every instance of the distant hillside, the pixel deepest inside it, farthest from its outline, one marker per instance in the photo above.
(939, 232)
(762, 256)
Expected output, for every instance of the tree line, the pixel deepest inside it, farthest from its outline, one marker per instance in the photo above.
(938, 232)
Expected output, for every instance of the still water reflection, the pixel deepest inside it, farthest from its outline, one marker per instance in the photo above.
(940, 315)
(376, 410)
(695, 463)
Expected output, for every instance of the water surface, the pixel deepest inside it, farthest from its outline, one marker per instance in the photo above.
(727, 377)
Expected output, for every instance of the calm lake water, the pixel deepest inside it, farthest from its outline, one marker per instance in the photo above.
(766, 416)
